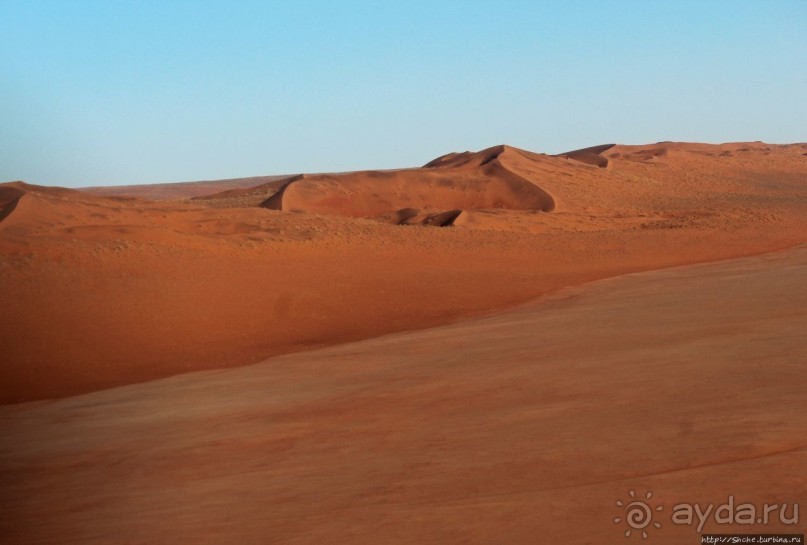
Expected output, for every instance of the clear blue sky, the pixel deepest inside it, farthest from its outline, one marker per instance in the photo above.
(116, 92)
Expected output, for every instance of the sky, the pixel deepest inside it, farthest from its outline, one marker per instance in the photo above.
(107, 93)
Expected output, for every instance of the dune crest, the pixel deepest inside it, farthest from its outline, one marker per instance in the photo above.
(437, 193)
(101, 291)
(182, 190)
(9, 197)
(590, 156)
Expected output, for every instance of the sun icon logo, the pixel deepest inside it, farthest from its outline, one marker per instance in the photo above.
(638, 514)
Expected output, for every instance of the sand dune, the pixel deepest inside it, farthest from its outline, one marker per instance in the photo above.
(101, 291)
(9, 197)
(360, 358)
(465, 182)
(523, 427)
(180, 190)
(247, 196)
(590, 156)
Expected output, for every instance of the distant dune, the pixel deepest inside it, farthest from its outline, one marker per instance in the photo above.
(178, 190)
(482, 180)
(110, 286)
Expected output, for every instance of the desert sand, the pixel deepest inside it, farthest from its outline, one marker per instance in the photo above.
(292, 358)
(507, 429)
(101, 291)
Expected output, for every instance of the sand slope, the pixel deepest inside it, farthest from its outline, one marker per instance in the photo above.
(104, 291)
(479, 181)
(590, 156)
(9, 198)
(523, 427)
(180, 190)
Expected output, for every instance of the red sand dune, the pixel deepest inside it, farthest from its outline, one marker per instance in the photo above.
(105, 291)
(9, 197)
(179, 190)
(520, 425)
(590, 156)
(483, 180)
(524, 427)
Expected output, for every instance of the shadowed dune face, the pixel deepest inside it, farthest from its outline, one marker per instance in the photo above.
(590, 156)
(98, 292)
(271, 187)
(9, 197)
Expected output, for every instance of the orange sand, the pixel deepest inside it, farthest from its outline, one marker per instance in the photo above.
(524, 427)
(101, 291)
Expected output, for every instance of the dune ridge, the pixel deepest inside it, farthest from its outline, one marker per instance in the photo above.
(471, 181)
(9, 197)
(102, 291)
(180, 190)
(590, 156)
